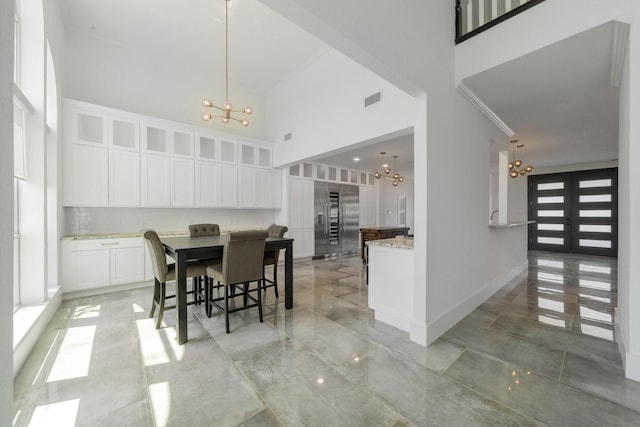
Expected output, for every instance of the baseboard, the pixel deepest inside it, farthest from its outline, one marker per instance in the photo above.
(630, 361)
(105, 290)
(395, 319)
(29, 324)
(441, 325)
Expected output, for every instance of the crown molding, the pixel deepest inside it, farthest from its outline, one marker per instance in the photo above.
(485, 109)
(619, 39)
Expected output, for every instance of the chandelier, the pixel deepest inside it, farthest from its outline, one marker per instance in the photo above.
(515, 166)
(386, 172)
(227, 108)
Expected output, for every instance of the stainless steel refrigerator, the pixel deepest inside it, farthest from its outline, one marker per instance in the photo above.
(337, 219)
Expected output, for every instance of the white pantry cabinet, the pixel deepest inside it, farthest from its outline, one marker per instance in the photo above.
(97, 263)
(300, 216)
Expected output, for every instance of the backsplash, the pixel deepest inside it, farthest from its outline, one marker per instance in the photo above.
(79, 220)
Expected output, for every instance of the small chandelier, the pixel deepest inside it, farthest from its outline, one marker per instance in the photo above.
(515, 166)
(227, 108)
(386, 172)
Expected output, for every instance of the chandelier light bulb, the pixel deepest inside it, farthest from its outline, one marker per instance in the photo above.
(396, 175)
(244, 122)
(377, 175)
(528, 168)
(517, 163)
(247, 110)
(401, 179)
(395, 183)
(224, 119)
(387, 171)
(206, 117)
(207, 103)
(513, 174)
(523, 172)
(511, 165)
(228, 106)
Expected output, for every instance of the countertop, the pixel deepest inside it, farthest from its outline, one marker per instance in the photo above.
(398, 242)
(135, 234)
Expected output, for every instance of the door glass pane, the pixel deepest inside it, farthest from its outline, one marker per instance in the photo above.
(344, 175)
(596, 243)
(307, 170)
(181, 144)
(551, 240)
(90, 128)
(354, 177)
(228, 151)
(207, 148)
(321, 172)
(551, 227)
(363, 178)
(554, 199)
(595, 198)
(590, 228)
(333, 173)
(553, 213)
(595, 214)
(124, 134)
(551, 186)
(156, 139)
(595, 183)
(294, 170)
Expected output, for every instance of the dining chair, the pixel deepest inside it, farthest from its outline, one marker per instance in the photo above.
(271, 258)
(164, 273)
(196, 230)
(241, 264)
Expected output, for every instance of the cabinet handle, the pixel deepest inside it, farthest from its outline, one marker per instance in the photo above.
(110, 244)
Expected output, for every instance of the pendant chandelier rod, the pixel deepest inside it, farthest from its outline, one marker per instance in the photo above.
(227, 108)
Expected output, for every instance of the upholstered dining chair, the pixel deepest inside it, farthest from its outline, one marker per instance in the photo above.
(196, 230)
(164, 273)
(241, 264)
(271, 258)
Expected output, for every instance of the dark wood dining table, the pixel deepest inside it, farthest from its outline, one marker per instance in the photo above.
(184, 248)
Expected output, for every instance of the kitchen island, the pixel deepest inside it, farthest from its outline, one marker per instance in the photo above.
(391, 281)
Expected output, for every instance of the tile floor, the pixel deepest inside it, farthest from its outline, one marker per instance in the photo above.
(541, 351)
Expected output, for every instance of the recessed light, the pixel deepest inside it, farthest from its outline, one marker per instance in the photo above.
(356, 159)
(385, 165)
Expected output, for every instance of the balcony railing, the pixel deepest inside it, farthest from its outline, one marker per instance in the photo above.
(476, 16)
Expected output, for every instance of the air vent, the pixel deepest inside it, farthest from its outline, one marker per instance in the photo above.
(287, 136)
(373, 99)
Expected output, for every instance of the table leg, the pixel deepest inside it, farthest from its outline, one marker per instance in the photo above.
(288, 276)
(181, 297)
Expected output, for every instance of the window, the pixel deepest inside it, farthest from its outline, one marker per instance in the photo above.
(17, 57)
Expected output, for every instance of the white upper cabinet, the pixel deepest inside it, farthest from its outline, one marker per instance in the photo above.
(228, 152)
(124, 178)
(207, 147)
(116, 158)
(86, 176)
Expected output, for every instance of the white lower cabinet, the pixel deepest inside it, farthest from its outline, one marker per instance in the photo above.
(97, 263)
(303, 242)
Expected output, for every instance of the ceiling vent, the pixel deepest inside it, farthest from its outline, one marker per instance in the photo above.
(373, 99)
(287, 136)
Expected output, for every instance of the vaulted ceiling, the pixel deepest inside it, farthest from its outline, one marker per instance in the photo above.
(557, 100)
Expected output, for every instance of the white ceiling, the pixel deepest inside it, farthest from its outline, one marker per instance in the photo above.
(558, 100)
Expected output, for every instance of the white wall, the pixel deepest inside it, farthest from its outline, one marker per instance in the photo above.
(411, 45)
(113, 75)
(628, 312)
(388, 202)
(322, 106)
(6, 211)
